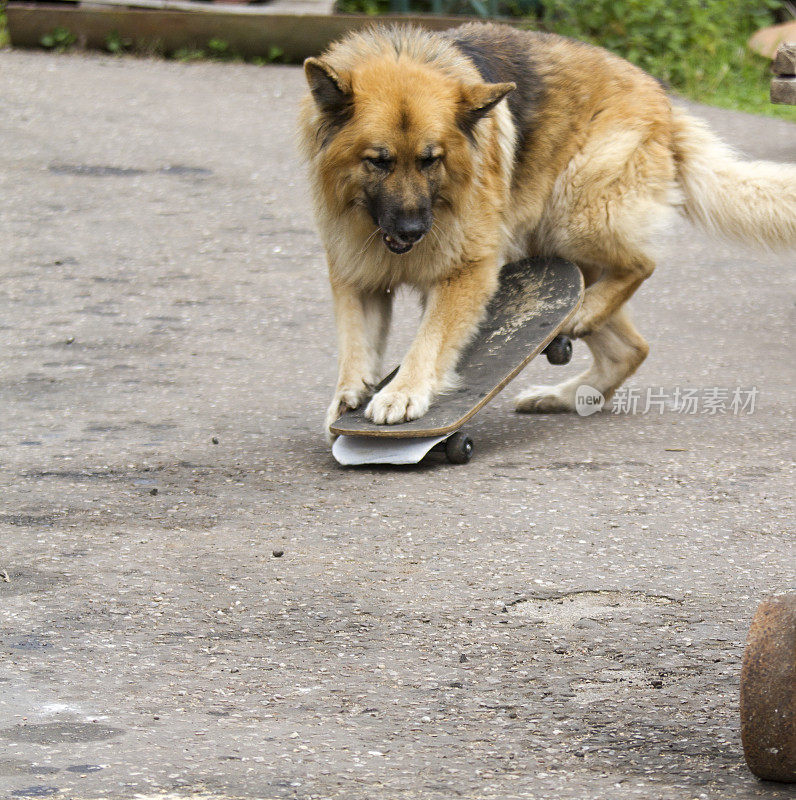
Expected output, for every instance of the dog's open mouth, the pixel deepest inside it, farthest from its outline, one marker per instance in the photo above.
(394, 245)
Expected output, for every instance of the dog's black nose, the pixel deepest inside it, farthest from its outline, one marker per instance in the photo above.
(410, 229)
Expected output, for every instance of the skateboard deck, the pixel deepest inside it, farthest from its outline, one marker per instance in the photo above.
(535, 299)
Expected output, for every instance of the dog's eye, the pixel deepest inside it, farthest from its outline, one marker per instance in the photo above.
(429, 161)
(379, 162)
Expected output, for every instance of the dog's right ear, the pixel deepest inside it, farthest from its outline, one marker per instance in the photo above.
(477, 100)
(331, 93)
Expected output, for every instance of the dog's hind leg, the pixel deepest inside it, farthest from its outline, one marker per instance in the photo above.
(603, 210)
(618, 350)
(606, 296)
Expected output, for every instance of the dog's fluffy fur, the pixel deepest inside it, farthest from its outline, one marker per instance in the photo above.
(405, 129)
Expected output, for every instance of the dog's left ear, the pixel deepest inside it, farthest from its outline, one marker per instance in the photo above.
(331, 92)
(477, 100)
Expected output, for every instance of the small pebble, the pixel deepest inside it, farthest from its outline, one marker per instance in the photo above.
(278, 553)
(153, 491)
(214, 440)
(70, 340)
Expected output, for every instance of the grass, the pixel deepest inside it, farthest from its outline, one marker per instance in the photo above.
(219, 50)
(697, 47)
(61, 40)
(4, 40)
(745, 88)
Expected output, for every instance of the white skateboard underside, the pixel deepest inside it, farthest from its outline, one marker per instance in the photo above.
(351, 451)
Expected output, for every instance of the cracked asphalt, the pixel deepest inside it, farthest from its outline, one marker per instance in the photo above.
(196, 601)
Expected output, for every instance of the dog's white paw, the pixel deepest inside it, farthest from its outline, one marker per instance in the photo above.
(345, 399)
(398, 405)
(544, 400)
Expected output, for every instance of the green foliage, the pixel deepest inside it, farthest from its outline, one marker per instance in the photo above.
(363, 6)
(665, 37)
(4, 41)
(219, 50)
(116, 44)
(189, 54)
(698, 47)
(59, 39)
(502, 8)
(275, 55)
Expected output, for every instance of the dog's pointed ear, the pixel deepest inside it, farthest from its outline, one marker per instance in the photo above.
(477, 100)
(331, 92)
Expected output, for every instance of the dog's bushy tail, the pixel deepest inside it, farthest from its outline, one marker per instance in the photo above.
(754, 201)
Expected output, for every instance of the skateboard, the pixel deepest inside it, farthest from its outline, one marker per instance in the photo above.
(536, 297)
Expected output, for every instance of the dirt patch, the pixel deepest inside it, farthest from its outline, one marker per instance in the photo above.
(566, 610)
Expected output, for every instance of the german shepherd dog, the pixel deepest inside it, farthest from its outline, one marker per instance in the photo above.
(435, 158)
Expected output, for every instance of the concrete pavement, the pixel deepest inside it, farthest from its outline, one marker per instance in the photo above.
(564, 617)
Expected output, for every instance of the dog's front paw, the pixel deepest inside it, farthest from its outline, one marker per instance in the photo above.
(398, 405)
(345, 399)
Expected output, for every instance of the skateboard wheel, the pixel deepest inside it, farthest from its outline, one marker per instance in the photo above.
(459, 448)
(768, 691)
(559, 351)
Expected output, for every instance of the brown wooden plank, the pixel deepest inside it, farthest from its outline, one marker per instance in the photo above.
(535, 299)
(166, 31)
(284, 7)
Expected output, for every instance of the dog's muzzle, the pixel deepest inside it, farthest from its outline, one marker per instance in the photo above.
(395, 245)
(404, 231)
